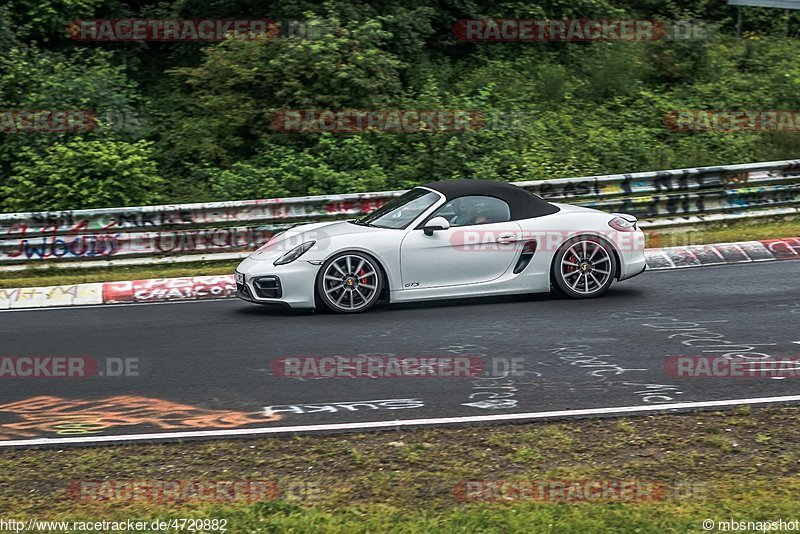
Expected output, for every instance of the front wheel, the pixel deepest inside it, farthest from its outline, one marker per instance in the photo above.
(584, 267)
(349, 282)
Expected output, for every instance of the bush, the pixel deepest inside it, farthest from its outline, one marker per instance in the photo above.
(83, 174)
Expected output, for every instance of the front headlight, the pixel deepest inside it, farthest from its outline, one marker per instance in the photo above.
(295, 253)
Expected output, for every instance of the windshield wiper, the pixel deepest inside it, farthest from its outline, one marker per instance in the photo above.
(360, 222)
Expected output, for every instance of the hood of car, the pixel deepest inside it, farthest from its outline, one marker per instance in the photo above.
(319, 232)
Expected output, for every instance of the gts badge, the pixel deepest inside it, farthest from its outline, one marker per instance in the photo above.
(412, 284)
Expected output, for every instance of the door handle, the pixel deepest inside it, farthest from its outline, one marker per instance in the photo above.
(506, 238)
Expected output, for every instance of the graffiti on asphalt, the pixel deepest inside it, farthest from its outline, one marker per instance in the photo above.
(45, 415)
(334, 407)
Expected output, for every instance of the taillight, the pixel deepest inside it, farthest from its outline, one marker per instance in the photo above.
(621, 225)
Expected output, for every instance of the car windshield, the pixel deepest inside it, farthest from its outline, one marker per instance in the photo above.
(401, 211)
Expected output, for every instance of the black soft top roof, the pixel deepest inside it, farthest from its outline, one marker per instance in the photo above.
(524, 205)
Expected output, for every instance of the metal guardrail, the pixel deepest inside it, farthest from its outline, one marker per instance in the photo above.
(660, 197)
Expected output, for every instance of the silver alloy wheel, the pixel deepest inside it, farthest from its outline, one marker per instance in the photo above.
(586, 267)
(350, 283)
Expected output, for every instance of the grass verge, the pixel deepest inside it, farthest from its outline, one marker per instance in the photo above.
(739, 465)
(725, 233)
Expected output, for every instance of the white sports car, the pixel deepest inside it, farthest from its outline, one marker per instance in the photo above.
(443, 240)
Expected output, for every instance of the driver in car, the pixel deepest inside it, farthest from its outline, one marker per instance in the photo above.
(470, 213)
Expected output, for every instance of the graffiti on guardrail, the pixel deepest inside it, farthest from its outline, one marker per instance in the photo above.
(700, 203)
(244, 225)
(77, 222)
(89, 246)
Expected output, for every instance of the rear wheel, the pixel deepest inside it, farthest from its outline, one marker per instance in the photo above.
(584, 267)
(349, 282)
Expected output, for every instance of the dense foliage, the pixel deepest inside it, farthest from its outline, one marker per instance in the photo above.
(190, 121)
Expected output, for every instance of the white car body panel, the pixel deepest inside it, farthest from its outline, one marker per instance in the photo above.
(459, 262)
(440, 261)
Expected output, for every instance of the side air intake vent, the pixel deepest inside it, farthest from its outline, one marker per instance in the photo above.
(528, 250)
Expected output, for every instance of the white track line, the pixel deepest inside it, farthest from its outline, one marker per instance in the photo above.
(393, 424)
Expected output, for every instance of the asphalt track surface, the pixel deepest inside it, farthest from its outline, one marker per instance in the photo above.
(208, 366)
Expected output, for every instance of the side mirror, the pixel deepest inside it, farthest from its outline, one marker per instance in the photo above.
(437, 223)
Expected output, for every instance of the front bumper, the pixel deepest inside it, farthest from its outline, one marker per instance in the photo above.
(294, 287)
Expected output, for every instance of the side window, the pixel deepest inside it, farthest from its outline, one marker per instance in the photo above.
(464, 211)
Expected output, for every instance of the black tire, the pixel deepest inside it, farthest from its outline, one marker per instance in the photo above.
(359, 285)
(576, 271)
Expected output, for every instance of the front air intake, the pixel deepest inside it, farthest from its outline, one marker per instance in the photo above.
(268, 287)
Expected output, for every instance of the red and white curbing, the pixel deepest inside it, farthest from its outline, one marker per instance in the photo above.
(132, 291)
(787, 248)
(223, 286)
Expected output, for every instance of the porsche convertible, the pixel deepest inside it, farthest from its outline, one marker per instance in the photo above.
(444, 240)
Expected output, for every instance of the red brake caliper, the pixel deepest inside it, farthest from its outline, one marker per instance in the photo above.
(572, 268)
(361, 278)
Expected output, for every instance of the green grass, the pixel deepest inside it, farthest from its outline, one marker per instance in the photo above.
(725, 233)
(756, 504)
(656, 238)
(404, 481)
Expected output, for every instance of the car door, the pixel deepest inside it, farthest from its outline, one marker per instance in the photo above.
(480, 245)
